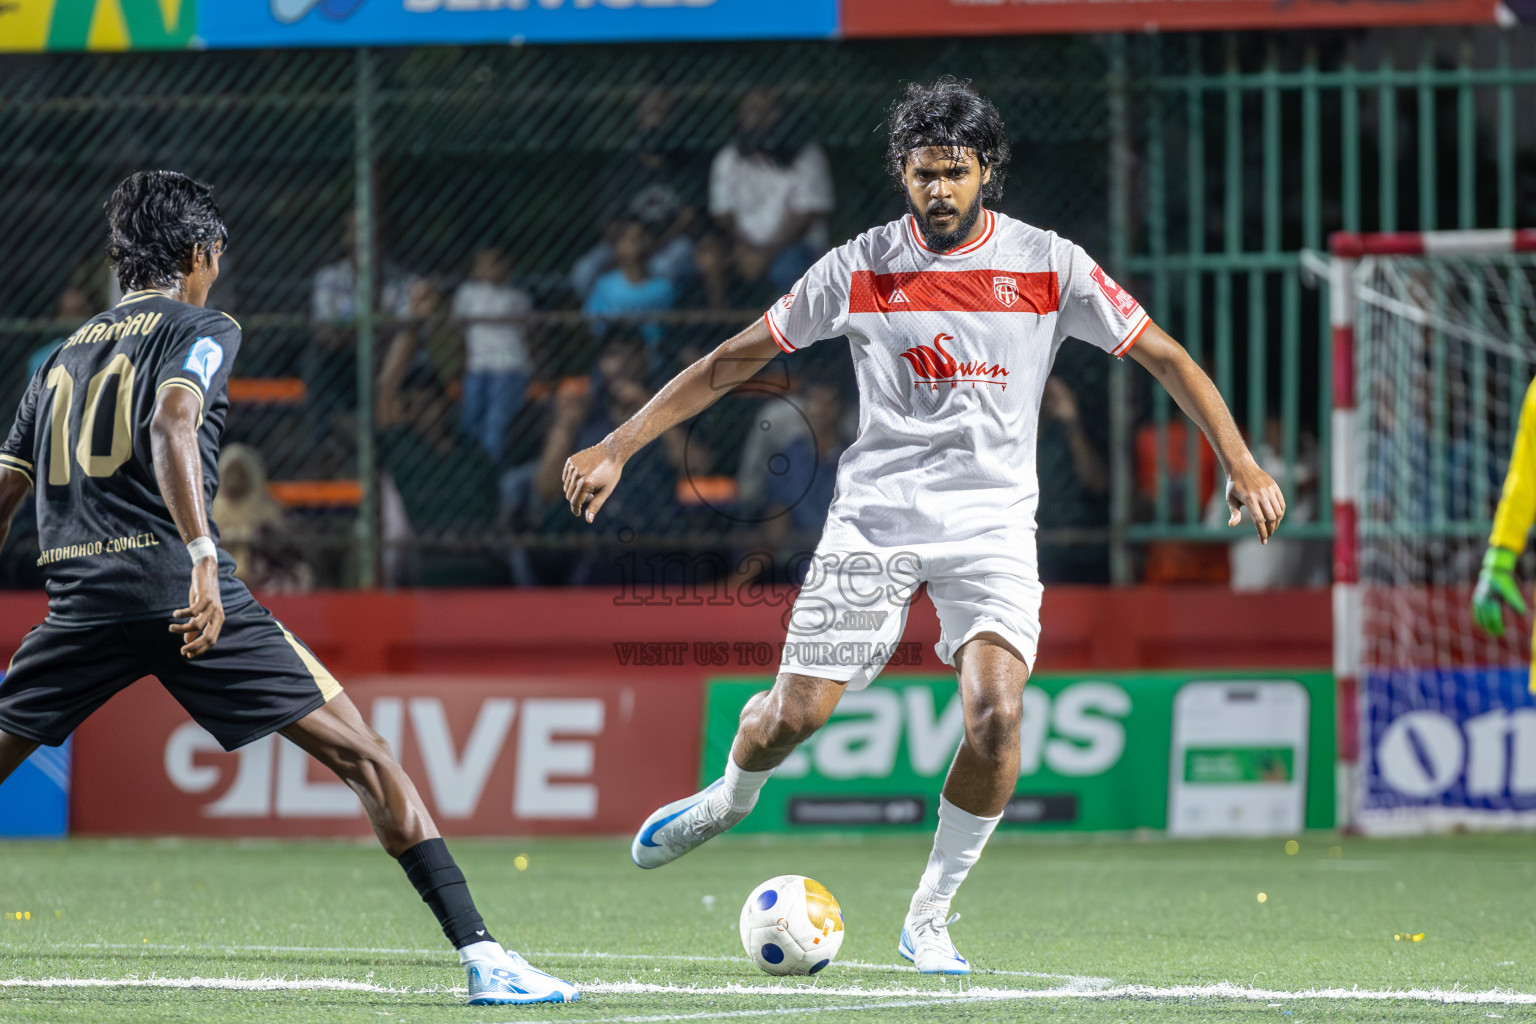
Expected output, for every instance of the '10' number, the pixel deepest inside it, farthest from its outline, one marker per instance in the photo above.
(121, 450)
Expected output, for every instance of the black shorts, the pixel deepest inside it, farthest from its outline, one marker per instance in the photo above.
(256, 680)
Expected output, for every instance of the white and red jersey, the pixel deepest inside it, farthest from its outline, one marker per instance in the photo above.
(951, 352)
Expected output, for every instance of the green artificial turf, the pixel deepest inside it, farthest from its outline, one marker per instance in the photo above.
(1084, 916)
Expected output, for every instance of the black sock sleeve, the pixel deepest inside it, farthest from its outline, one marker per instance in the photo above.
(432, 870)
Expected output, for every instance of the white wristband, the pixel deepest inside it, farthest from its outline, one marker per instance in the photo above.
(201, 548)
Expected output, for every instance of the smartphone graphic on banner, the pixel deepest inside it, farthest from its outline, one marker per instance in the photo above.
(1239, 759)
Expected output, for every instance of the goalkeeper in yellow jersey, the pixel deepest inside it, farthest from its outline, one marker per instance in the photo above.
(1496, 586)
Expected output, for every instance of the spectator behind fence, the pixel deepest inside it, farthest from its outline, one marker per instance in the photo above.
(496, 363)
(330, 370)
(581, 418)
(649, 181)
(429, 484)
(1177, 561)
(251, 526)
(1285, 561)
(789, 469)
(1074, 475)
(775, 423)
(631, 290)
(801, 480)
(769, 193)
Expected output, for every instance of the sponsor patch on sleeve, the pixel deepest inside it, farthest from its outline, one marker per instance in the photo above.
(205, 359)
(1119, 297)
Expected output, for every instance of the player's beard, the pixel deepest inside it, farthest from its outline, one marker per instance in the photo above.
(943, 241)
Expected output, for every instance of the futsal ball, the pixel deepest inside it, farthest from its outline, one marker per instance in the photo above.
(791, 925)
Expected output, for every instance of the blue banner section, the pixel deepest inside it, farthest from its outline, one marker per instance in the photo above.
(1452, 738)
(238, 24)
(34, 801)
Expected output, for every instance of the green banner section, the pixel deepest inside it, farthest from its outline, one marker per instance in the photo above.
(35, 25)
(1096, 751)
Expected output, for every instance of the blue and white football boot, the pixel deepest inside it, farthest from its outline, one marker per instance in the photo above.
(508, 978)
(925, 941)
(673, 830)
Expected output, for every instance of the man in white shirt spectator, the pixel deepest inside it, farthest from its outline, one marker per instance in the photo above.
(330, 366)
(496, 351)
(333, 293)
(770, 196)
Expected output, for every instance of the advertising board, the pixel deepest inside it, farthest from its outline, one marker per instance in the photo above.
(1097, 752)
(495, 755)
(37, 25)
(1448, 747)
(34, 802)
(264, 23)
(866, 18)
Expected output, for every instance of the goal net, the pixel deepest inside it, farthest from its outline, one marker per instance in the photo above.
(1438, 724)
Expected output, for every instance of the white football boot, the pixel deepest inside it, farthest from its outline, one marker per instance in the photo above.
(500, 976)
(925, 941)
(673, 830)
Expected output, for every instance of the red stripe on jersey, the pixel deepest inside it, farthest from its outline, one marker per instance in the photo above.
(778, 335)
(954, 291)
(1132, 338)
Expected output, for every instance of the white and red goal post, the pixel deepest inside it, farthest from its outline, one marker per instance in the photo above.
(1434, 343)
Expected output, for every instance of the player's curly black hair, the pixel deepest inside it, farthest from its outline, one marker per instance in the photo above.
(947, 112)
(156, 218)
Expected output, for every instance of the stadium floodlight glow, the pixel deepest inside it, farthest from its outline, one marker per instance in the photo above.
(1434, 345)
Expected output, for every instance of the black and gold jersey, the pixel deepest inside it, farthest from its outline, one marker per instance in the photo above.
(110, 551)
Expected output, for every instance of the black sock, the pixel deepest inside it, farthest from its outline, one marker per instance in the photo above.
(431, 869)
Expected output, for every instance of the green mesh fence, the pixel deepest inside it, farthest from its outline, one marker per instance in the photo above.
(499, 188)
(454, 265)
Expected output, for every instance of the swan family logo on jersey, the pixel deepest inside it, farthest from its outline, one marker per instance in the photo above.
(935, 365)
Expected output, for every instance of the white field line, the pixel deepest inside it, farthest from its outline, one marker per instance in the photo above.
(974, 993)
(730, 1014)
(230, 984)
(858, 965)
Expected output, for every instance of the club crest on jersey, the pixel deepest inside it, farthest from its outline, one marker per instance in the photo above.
(934, 365)
(204, 360)
(1006, 289)
(1114, 293)
(787, 302)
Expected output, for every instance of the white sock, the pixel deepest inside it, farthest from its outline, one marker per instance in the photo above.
(481, 951)
(741, 786)
(956, 848)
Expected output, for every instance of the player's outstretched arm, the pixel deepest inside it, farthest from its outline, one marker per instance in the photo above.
(14, 485)
(1247, 484)
(179, 472)
(591, 475)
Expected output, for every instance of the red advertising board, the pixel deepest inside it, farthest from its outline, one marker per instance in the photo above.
(569, 711)
(1018, 17)
(498, 755)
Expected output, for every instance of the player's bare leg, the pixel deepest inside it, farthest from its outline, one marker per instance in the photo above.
(985, 771)
(337, 737)
(773, 724)
(777, 721)
(13, 751)
(981, 779)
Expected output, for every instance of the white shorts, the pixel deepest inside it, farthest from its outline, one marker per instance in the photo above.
(852, 608)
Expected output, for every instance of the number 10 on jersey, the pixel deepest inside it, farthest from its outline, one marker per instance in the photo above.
(121, 448)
